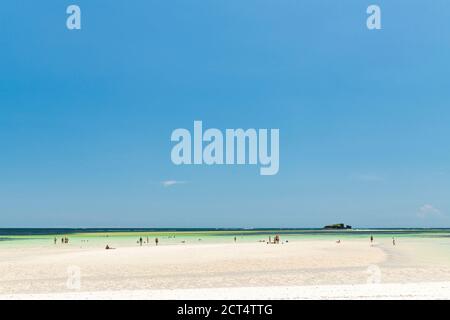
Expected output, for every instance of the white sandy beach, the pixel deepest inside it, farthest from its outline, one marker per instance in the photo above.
(306, 269)
(422, 291)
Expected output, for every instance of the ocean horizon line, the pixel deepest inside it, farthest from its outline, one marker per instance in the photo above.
(17, 231)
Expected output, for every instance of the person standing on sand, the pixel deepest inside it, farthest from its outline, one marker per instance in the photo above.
(371, 239)
(276, 239)
(156, 241)
(55, 240)
(393, 241)
(234, 239)
(140, 241)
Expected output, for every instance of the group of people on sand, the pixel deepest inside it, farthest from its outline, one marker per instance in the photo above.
(64, 240)
(141, 241)
(276, 240)
(371, 240)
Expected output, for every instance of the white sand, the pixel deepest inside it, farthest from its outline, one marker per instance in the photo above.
(297, 270)
(422, 291)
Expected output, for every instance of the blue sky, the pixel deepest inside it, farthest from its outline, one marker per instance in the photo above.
(86, 116)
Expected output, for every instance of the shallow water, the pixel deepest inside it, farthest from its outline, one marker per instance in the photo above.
(130, 237)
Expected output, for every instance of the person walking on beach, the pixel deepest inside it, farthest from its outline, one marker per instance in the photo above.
(55, 240)
(140, 241)
(371, 239)
(393, 241)
(156, 241)
(234, 239)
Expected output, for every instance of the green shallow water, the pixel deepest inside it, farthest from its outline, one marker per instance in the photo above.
(127, 237)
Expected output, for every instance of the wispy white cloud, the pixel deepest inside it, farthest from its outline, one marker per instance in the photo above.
(428, 210)
(170, 183)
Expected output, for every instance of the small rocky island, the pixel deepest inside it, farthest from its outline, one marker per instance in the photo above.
(337, 226)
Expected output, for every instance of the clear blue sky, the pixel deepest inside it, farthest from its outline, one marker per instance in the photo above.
(86, 116)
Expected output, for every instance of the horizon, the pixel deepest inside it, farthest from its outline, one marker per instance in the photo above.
(219, 228)
(19, 233)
